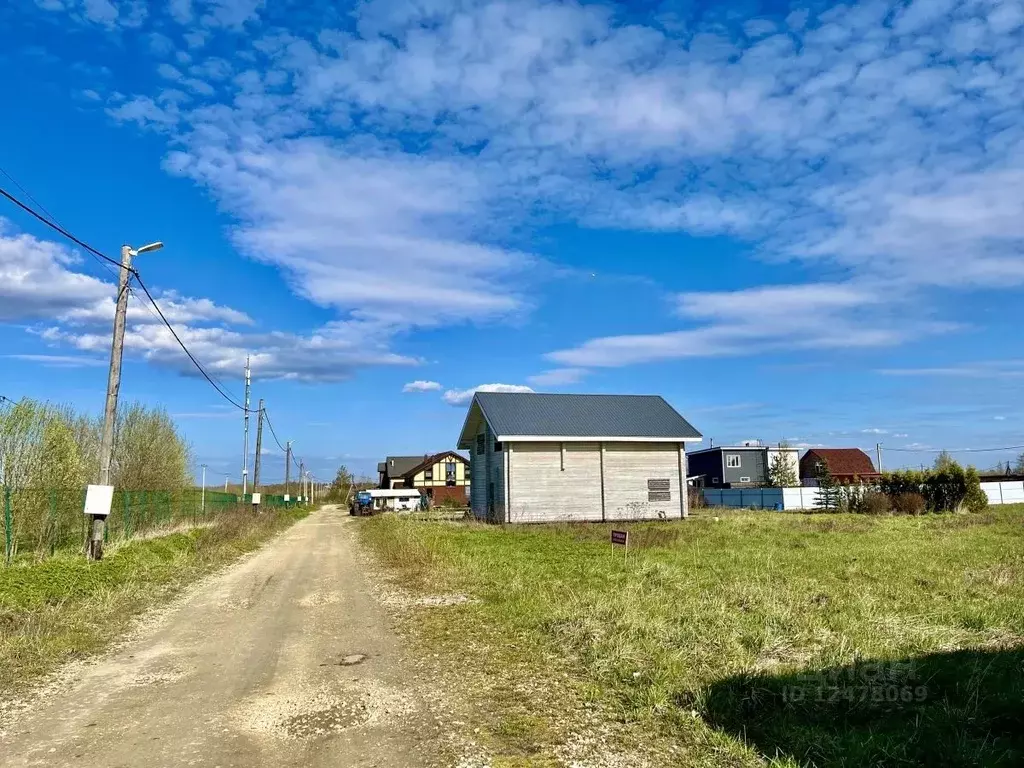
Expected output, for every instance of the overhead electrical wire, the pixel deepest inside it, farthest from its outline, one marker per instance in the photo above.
(99, 260)
(50, 221)
(58, 228)
(272, 432)
(153, 305)
(185, 349)
(954, 450)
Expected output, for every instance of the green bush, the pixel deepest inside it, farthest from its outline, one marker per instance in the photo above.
(949, 489)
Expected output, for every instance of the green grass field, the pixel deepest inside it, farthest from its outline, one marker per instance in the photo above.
(759, 637)
(66, 607)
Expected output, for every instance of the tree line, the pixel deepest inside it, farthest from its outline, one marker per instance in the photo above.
(46, 445)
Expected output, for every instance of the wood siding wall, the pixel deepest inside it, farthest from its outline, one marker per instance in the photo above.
(487, 480)
(540, 490)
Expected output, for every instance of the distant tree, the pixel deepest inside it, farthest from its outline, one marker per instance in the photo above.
(780, 471)
(944, 460)
(829, 495)
(1018, 469)
(342, 483)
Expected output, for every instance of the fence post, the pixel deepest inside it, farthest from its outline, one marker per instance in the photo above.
(8, 526)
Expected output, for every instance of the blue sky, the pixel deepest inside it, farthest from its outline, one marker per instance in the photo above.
(798, 222)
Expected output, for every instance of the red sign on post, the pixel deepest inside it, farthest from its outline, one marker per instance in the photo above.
(621, 538)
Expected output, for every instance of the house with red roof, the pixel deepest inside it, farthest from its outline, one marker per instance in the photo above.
(847, 465)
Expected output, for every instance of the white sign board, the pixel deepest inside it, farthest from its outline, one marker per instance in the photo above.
(98, 499)
(255, 498)
(287, 497)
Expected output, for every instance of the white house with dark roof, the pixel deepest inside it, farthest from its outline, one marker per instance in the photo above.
(558, 458)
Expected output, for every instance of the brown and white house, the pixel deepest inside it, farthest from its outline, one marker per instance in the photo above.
(545, 458)
(439, 477)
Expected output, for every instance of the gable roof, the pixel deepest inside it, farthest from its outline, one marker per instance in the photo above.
(429, 461)
(399, 466)
(840, 461)
(534, 416)
(402, 466)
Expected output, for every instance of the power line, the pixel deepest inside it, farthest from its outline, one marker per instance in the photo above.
(45, 210)
(181, 344)
(955, 450)
(58, 228)
(219, 385)
(272, 432)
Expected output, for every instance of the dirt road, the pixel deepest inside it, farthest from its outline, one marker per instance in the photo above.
(283, 660)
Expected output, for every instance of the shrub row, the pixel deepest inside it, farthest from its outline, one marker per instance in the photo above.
(909, 492)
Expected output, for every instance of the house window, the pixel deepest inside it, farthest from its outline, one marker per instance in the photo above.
(428, 474)
(449, 473)
(497, 447)
(732, 460)
(481, 445)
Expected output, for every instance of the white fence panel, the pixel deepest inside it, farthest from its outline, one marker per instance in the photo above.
(1013, 492)
(993, 491)
(806, 497)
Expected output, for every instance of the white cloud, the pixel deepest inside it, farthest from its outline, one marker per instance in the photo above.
(463, 396)
(992, 369)
(332, 353)
(422, 386)
(36, 279)
(180, 10)
(61, 361)
(875, 431)
(101, 11)
(875, 142)
(558, 377)
(810, 316)
(38, 283)
(231, 13)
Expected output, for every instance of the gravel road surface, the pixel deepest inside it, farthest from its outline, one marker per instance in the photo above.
(285, 659)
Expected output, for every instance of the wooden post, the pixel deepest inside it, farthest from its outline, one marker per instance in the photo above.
(94, 547)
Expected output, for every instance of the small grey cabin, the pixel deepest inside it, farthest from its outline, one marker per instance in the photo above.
(553, 458)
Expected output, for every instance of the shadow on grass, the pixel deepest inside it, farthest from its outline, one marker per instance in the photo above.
(963, 708)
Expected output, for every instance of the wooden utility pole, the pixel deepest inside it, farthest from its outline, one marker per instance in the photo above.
(302, 479)
(259, 449)
(245, 442)
(94, 546)
(97, 522)
(287, 467)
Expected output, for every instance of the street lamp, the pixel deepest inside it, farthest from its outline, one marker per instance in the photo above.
(146, 248)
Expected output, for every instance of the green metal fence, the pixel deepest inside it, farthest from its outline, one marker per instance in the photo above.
(41, 521)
